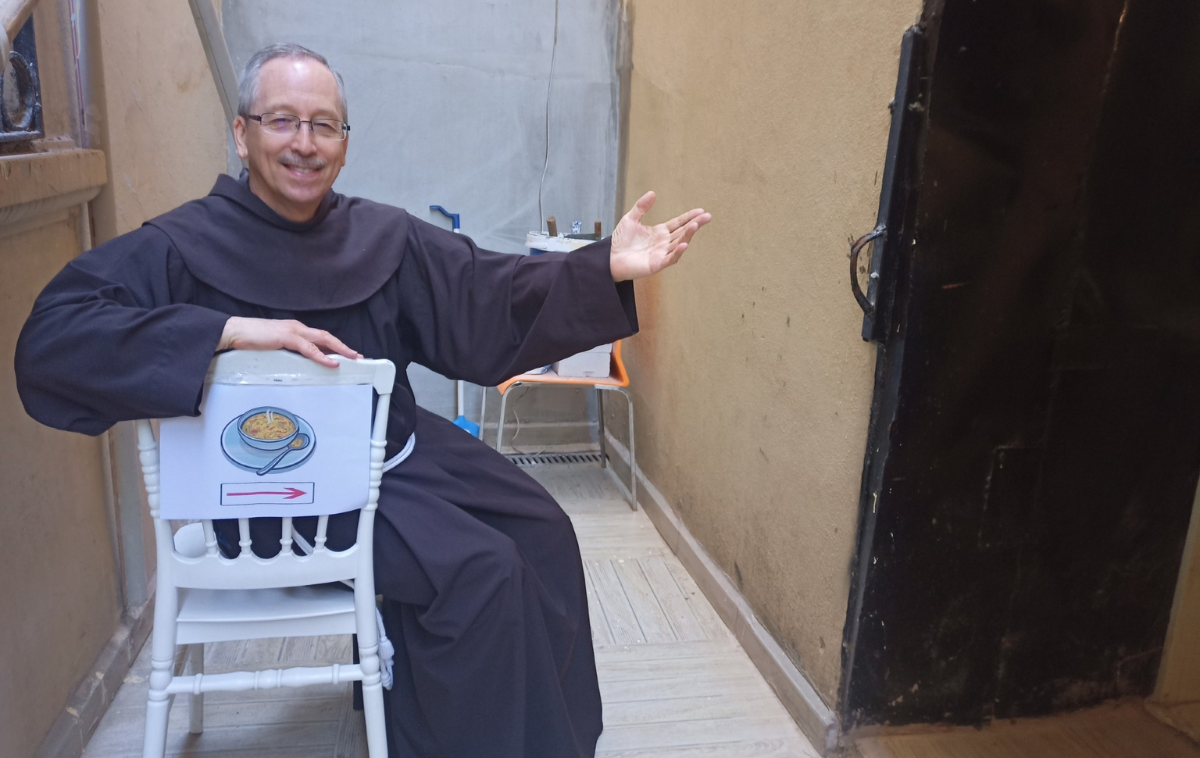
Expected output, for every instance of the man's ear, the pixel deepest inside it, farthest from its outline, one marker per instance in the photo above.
(239, 137)
(345, 149)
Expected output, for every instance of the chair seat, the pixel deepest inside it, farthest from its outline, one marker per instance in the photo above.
(221, 615)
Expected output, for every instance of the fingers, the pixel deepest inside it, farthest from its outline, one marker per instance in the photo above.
(690, 230)
(672, 257)
(325, 340)
(644, 203)
(312, 352)
(682, 237)
(314, 343)
(684, 233)
(686, 218)
(272, 334)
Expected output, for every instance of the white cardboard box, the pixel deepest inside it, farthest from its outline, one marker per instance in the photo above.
(587, 365)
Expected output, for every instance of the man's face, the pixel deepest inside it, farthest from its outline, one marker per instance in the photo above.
(292, 172)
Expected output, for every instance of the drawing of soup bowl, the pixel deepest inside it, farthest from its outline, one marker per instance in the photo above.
(267, 428)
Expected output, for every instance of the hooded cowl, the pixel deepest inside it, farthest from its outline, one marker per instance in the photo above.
(233, 241)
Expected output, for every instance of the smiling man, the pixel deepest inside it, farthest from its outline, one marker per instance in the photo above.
(479, 567)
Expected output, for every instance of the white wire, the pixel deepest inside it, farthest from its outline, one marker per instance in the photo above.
(549, 84)
(512, 441)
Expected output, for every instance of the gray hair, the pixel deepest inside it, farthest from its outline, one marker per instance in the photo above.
(248, 83)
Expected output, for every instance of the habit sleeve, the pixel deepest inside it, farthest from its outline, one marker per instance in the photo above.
(483, 316)
(106, 343)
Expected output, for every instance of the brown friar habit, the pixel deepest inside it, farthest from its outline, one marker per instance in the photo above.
(479, 567)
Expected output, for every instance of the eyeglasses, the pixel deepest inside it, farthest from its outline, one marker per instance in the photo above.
(283, 123)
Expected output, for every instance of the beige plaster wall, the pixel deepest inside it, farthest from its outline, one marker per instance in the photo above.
(751, 380)
(59, 594)
(159, 118)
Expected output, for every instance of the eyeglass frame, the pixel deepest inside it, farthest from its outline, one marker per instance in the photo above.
(300, 122)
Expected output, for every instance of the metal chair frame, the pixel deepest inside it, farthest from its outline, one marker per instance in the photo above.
(616, 381)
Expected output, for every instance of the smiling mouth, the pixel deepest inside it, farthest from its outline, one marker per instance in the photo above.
(301, 168)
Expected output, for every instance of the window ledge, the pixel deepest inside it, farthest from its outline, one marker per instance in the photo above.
(38, 185)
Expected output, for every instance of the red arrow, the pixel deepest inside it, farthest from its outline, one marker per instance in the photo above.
(292, 493)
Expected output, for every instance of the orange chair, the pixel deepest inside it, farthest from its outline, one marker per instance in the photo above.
(616, 381)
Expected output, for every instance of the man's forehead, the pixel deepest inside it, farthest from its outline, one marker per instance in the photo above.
(297, 83)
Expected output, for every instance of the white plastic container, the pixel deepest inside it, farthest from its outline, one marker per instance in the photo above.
(595, 363)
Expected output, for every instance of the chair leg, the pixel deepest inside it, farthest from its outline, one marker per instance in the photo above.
(372, 686)
(162, 671)
(600, 417)
(374, 718)
(157, 714)
(196, 702)
(633, 502)
(500, 421)
(482, 410)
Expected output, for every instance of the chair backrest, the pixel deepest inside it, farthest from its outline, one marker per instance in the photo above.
(205, 566)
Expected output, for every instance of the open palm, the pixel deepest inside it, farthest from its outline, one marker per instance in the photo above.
(639, 250)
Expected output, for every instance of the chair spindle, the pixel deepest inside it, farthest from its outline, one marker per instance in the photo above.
(210, 538)
(322, 525)
(285, 541)
(244, 538)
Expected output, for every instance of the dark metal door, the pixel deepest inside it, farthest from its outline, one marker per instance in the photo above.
(1035, 438)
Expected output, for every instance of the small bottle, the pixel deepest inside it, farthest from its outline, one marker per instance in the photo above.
(576, 227)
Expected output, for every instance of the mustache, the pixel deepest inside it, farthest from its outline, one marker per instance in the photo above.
(291, 159)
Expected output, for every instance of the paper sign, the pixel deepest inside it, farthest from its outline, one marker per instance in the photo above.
(268, 451)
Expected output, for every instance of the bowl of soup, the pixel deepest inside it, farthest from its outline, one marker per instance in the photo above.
(267, 428)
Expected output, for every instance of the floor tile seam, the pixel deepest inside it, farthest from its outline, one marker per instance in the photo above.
(121, 712)
(610, 557)
(701, 656)
(737, 676)
(599, 604)
(682, 594)
(608, 725)
(650, 752)
(776, 727)
(628, 599)
(661, 608)
(691, 661)
(766, 697)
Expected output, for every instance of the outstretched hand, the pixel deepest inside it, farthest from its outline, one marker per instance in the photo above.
(274, 334)
(639, 250)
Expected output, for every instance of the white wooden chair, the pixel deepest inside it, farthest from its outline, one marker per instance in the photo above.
(203, 596)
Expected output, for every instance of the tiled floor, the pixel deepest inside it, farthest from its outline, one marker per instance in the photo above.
(674, 681)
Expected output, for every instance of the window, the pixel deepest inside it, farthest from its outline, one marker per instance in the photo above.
(20, 95)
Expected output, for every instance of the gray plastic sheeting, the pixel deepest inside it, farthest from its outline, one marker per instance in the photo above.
(448, 105)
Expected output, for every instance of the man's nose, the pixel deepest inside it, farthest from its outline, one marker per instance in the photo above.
(304, 141)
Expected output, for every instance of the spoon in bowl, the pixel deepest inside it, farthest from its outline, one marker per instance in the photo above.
(298, 443)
